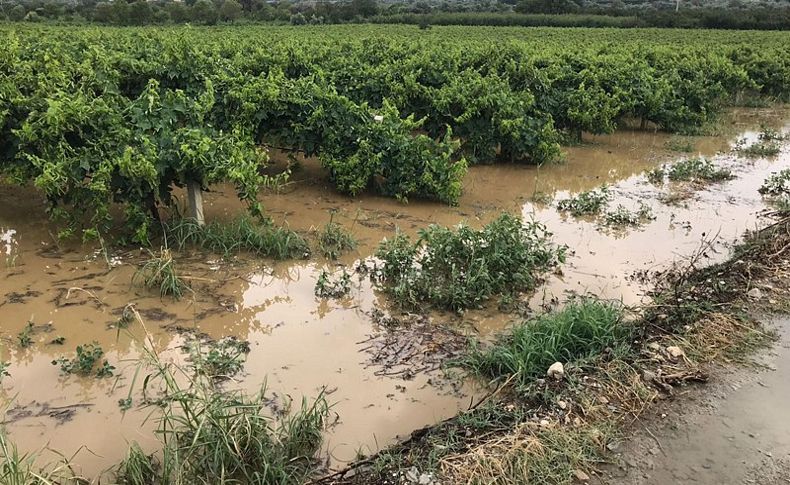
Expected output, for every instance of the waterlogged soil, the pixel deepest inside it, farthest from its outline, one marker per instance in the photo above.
(382, 383)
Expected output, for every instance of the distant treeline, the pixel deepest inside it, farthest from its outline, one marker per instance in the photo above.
(557, 13)
(709, 18)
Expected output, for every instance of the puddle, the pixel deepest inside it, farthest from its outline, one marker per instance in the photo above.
(301, 344)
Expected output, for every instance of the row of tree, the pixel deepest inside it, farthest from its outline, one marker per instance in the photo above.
(616, 13)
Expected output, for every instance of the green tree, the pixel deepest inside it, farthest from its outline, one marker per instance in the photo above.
(140, 13)
(230, 11)
(204, 12)
(17, 13)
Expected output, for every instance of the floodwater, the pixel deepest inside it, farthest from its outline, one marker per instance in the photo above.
(301, 344)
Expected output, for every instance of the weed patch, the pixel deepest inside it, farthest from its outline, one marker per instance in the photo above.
(328, 287)
(767, 145)
(88, 362)
(217, 359)
(334, 240)
(586, 203)
(262, 239)
(580, 331)
(680, 144)
(690, 170)
(462, 268)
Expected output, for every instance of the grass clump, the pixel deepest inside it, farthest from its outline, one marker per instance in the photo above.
(582, 330)
(586, 203)
(21, 468)
(87, 362)
(462, 268)
(334, 240)
(242, 235)
(624, 217)
(159, 272)
(328, 287)
(211, 436)
(25, 337)
(690, 170)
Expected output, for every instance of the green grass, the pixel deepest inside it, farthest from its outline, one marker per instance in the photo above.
(586, 203)
(160, 273)
(21, 468)
(334, 240)
(262, 239)
(582, 330)
(463, 268)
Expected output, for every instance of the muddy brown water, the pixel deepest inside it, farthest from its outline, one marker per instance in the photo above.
(302, 344)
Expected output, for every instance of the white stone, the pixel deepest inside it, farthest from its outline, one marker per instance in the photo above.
(556, 371)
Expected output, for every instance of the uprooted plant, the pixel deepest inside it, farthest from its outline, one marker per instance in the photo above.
(462, 268)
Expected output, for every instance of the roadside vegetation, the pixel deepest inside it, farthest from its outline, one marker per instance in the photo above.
(567, 384)
(462, 268)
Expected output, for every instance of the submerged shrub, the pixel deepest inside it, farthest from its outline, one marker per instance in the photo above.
(244, 234)
(582, 330)
(622, 216)
(87, 362)
(328, 287)
(778, 183)
(767, 144)
(217, 359)
(586, 203)
(462, 268)
(698, 169)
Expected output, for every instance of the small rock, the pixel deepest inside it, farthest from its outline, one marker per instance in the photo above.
(544, 423)
(648, 376)
(556, 371)
(425, 479)
(581, 476)
(675, 352)
(562, 404)
(755, 294)
(654, 346)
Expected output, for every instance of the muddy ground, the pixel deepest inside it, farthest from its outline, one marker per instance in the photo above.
(734, 430)
(302, 345)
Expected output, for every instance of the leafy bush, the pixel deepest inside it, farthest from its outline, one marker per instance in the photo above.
(462, 268)
(582, 330)
(328, 287)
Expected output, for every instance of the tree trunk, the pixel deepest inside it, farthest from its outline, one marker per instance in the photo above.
(195, 196)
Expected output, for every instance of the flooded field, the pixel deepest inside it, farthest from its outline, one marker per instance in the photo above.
(383, 384)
